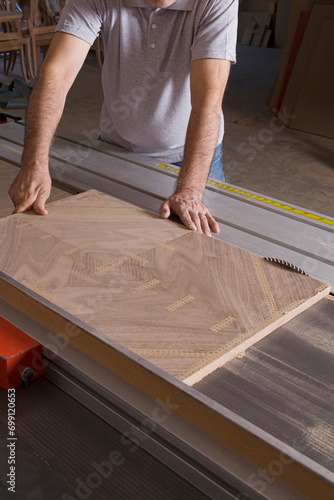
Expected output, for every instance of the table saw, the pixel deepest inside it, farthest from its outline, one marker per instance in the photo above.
(259, 427)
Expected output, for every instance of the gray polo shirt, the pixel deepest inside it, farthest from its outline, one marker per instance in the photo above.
(148, 55)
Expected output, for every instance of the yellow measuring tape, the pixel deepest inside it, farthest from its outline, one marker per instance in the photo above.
(258, 198)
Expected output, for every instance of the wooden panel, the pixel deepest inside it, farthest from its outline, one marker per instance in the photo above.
(314, 109)
(297, 6)
(304, 56)
(181, 300)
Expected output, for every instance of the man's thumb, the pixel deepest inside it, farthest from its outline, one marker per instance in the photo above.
(39, 206)
(165, 210)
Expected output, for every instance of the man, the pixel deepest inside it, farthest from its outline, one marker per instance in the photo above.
(165, 71)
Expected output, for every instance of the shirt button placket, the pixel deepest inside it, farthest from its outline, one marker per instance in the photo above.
(153, 26)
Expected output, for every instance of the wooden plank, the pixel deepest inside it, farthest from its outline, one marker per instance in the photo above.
(303, 21)
(314, 109)
(255, 28)
(263, 21)
(266, 38)
(183, 301)
(243, 20)
(305, 54)
(248, 33)
(297, 6)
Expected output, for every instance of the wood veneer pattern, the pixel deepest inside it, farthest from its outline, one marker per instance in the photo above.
(181, 300)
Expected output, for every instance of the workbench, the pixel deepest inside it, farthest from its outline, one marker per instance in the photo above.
(275, 404)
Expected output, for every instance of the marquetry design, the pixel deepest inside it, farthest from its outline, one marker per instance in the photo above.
(27, 224)
(77, 249)
(160, 244)
(133, 256)
(52, 235)
(235, 343)
(111, 265)
(169, 352)
(321, 288)
(84, 277)
(180, 303)
(222, 324)
(39, 290)
(184, 302)
(147, 285)
(264, 284)
(292, 306)
(103, 209)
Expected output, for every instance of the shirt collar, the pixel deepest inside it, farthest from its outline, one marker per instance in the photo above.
(178, 5)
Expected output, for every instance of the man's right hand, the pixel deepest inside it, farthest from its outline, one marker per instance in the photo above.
(30, 189)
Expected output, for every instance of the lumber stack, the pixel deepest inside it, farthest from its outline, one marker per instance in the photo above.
(303, 96)
(255, 22)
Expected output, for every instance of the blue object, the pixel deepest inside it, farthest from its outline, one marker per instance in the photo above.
(216, 171)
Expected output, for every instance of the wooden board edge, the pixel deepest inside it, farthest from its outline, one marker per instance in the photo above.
(185, 404)
(193, 378)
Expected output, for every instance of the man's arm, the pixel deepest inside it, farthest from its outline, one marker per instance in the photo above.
(32, 186)
(208, 79)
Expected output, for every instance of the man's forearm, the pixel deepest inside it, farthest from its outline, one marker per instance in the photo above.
(46, 105)
(208, 81)
(208, 78)
(200, 145)
(32, 186)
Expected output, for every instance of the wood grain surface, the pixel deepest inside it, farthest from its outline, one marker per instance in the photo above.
(183, 301)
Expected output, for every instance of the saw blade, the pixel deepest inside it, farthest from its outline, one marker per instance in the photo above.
(286, 264)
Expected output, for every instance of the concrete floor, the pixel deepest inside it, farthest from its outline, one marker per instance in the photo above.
(294, 167)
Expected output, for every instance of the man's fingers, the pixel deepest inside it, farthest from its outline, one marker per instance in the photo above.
(187, 221)
(195, 217)
(23, 206)
(212, 223)
(205, 224)
(193, 214)
(37, 204)
(30, 189)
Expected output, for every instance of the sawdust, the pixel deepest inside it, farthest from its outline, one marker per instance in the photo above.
(317, 340)
(321, 437)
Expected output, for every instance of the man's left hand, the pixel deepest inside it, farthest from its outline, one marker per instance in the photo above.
(192, 212)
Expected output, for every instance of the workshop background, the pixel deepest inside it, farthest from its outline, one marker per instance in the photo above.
(259, 155)
(279, 142)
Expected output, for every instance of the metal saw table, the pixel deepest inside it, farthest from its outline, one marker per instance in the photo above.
(259, 427)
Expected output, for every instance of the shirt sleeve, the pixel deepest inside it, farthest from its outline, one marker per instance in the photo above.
(216, 32)
(82, 18)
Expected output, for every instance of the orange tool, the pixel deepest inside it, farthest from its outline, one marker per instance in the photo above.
(20, 357)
